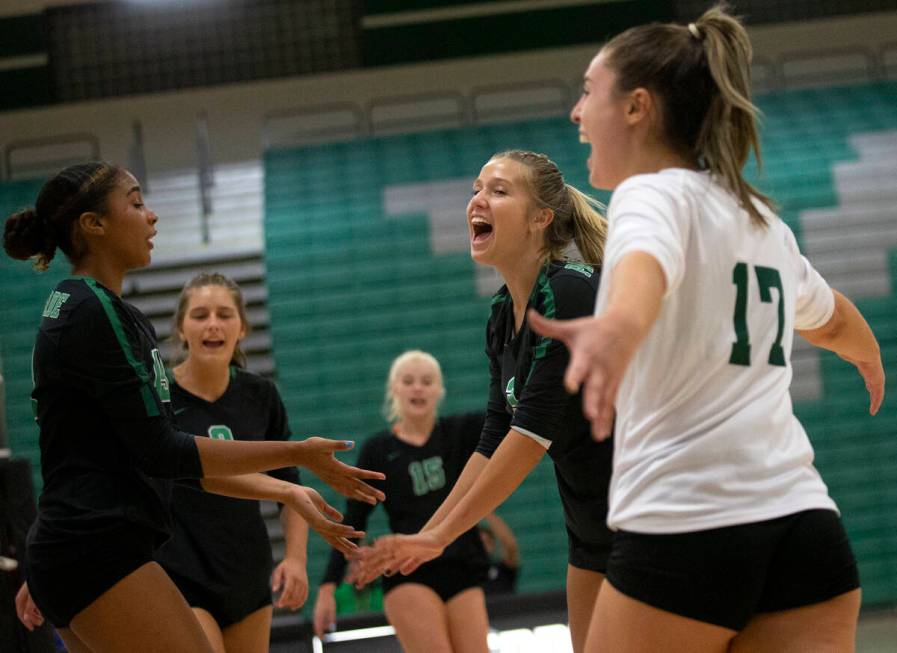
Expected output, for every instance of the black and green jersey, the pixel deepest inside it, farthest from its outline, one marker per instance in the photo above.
(101, 400)
(418, 479)
(527, 394)
(219, 542)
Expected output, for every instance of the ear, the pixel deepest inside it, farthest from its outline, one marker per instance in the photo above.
(543, 218)
(91, 223)
(640, 106)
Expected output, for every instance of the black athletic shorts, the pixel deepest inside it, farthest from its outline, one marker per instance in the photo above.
(591, 556)
(724, 576)
(63, 586)
(447, 578)
(227, 607)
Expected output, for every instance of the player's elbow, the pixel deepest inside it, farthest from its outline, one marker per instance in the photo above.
(832, 330)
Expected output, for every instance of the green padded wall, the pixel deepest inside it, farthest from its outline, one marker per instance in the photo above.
(351, 286)
(24, 293)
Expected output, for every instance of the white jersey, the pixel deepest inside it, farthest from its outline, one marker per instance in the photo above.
(705, 432)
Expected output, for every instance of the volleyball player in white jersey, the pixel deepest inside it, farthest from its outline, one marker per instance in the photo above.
(726, 536)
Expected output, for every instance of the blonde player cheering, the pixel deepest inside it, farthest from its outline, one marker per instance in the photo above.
(522, 218)
(726, 537)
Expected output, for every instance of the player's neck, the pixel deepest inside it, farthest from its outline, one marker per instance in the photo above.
(100, 270)
(208, 380)
(415, 429)
(520, 277)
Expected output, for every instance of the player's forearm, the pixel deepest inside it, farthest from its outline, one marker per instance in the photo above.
(512, 462)
(249, 486)
(636, 293)
(846, 333)
(475, 464)
(234, 457)
(295, 535)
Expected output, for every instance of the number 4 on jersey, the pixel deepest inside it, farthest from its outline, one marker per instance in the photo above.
(767, 278)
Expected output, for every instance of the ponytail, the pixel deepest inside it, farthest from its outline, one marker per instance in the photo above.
(25, 236)
(702, 75)
(589, 226)
(729, 131)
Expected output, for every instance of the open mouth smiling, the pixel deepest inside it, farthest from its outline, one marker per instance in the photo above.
(481, 229)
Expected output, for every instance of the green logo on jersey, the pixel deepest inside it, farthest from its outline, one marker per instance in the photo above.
(54, 303)
(220, 432)
(509, 394)
(581, 267)
(427, 475)
(160, 382)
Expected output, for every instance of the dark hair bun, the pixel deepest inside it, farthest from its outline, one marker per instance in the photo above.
(26, 235)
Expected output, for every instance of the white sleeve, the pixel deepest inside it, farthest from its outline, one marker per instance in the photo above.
(646, 214)
(815, 300)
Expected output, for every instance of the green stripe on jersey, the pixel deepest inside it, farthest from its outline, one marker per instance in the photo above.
(139, 369)
(543, 288)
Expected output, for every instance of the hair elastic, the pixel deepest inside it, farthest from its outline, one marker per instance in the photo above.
(694, 31)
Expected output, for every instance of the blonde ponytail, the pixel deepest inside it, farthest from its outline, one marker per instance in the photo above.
(589, 226)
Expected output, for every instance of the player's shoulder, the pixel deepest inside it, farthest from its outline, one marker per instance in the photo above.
(670, 188)
(562, 274)
(80, 301)
(567, 285)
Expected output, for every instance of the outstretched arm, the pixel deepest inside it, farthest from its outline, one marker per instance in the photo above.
(848, 334)
(510, 464)
(472, 470)
(234, 457)
(305, 501)
(601, 347)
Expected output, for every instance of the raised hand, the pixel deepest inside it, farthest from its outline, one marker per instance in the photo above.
(322, 518)
(347, 480)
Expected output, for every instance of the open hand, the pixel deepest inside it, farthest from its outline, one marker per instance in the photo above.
(347, 480)
(874, 377)
(323, 519)
(366, 565)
